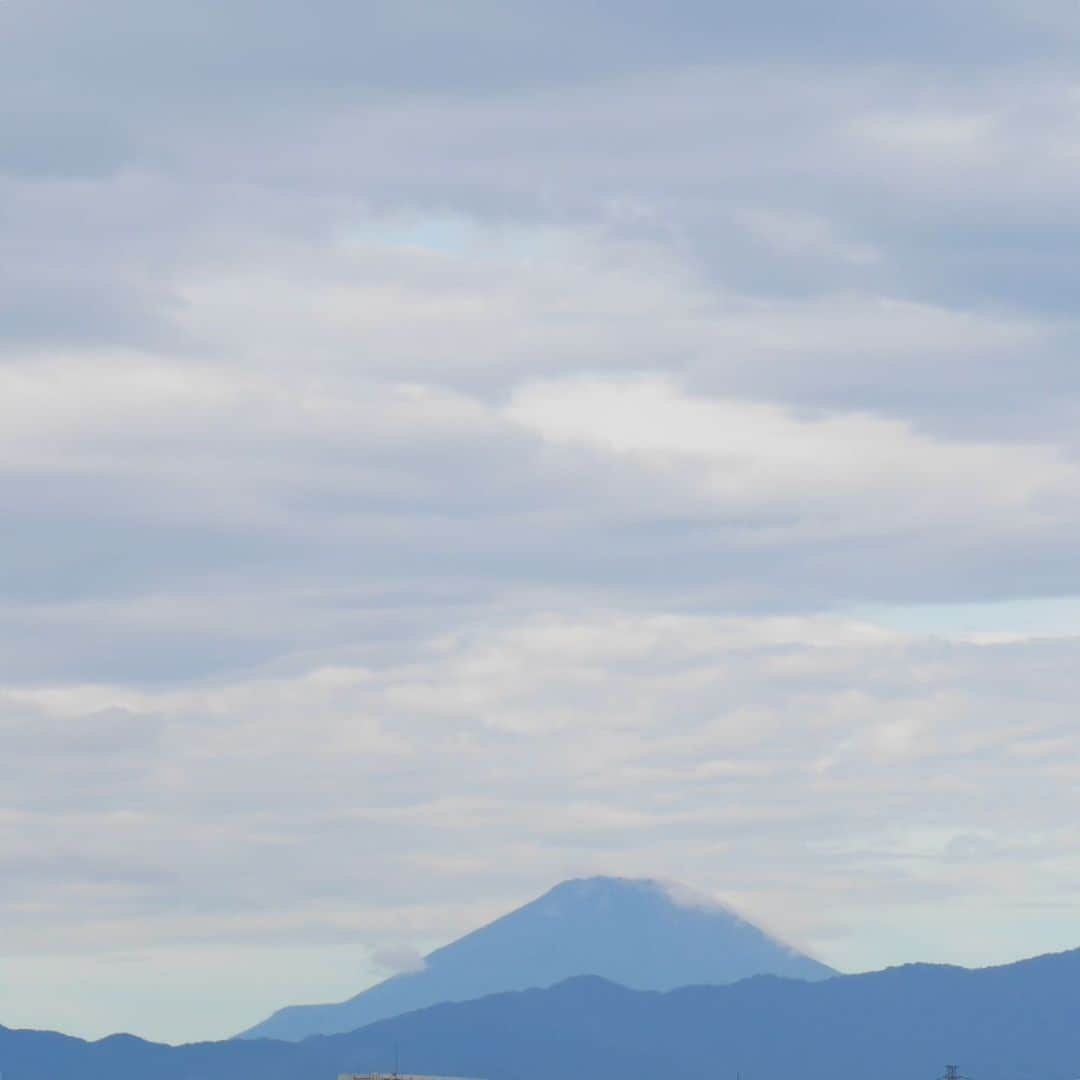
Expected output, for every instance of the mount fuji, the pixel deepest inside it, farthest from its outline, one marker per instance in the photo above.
(643, 934)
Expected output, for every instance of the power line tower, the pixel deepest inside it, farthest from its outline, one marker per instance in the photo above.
(953, 1073)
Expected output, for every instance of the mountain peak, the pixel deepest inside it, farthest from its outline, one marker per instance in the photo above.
(643, 933)
(660, 888)
(605, 883)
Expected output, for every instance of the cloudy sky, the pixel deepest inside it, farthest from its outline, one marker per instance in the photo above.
(450, 447)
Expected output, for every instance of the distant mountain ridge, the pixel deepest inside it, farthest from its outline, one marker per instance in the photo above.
(1018, 1022)
(639, 933)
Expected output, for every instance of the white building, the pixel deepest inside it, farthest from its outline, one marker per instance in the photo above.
(399, 1076)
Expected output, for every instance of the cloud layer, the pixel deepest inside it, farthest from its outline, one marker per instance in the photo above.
(442, 453)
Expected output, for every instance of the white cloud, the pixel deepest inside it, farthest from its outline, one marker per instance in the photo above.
(636, 743)
(397, 959)
(430, 471)
(747, 455)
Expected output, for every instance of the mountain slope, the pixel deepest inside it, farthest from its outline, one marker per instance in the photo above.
(638, 933)
(1019, 1022)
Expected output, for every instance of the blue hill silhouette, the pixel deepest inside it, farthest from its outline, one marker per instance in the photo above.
(1017, 1022)
(639, 933)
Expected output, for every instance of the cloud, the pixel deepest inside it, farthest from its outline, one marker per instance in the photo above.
(811, 769)
(442, 454)
(610, 738)
(397, 959)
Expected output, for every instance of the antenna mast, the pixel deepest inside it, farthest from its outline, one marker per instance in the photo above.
(953, 1073)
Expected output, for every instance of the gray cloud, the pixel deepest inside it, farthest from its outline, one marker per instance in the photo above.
(608, 738)
(446, 448)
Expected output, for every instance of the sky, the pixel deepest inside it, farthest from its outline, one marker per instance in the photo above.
(449, 448)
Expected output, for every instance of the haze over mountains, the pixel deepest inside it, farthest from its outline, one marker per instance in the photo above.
(1018, 1022)
(642, 934)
